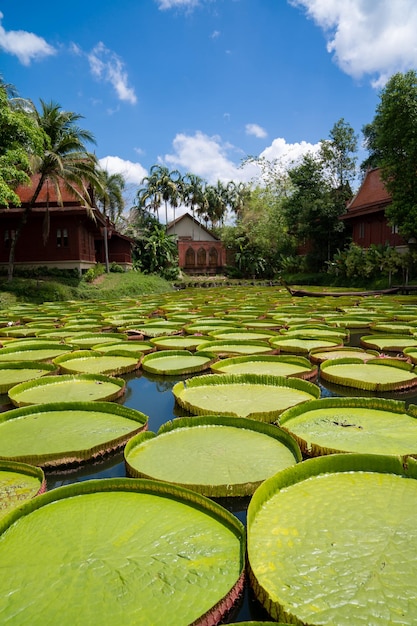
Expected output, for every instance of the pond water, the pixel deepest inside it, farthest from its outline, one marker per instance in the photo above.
(152, 395)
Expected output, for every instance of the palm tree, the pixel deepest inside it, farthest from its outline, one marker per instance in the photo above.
(160, 187)
(64, 161)
(193, 193)
(111, 201)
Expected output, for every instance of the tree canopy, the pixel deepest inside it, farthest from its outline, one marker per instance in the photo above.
(391, 139)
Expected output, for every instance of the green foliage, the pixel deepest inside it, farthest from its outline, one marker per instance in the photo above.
(20, 137)
(93, 273)
(391, 139)
(38, 291)
(116, 268)
(367, 263)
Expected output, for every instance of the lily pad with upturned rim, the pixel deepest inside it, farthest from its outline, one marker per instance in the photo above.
(318, 355)
(362, 425)
(19, 482)
(177, 342)
(217, 456)
(392, 343)
(117, 548)
(302, 345)
(269, 364)
(16, 372)
(177, 362)
(373, 375)
(333, 540)
(243, 395)
(33, 352)
(239, 346)
(91, 362)
(63, 434)
(67, 388)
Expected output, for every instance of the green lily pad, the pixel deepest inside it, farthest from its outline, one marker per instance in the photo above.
(91, 362)
(118, 551)
(366, 425)
(392, 343)
(242, 333)
(269, 364)
(333, 540)
(66, 433)
(243, 395)
(373, 375)
(177, 342)
(176, 362)
(16, 372)
(230, 347)
(302, 345)
(19, 482)
(134, 347)
(88, 340)
(319, 355)
(411, 353)
(67, 388)
(33, 352)
(217, 456)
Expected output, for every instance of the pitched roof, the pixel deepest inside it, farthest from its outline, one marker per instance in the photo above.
(371, 192)
(188, 217)
(25, 193)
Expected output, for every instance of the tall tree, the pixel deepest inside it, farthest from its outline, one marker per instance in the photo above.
(110, 200)
(391, 139)
(64, 160)
(338, 154)
(20, 139)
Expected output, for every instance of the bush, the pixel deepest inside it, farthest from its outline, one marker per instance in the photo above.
(115, 267)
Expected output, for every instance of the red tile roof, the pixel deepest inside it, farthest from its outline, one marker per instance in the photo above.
(26, 192)
(372, 192)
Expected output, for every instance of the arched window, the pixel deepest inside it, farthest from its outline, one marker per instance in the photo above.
(213, 257)
(201, 257)
(190, 258)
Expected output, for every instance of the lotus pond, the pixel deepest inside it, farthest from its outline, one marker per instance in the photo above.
(300, 417)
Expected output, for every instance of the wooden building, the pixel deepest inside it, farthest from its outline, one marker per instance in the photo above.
(76, 238)
(199, 251)
(365, 214)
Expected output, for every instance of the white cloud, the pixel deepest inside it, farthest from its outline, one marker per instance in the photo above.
(26, 46)
(171, 4)
(367, 37)
(107, 66)
(256, 130)
(132, 172)
(212, 159)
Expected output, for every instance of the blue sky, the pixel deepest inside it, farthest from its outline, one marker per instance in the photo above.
(198, 85)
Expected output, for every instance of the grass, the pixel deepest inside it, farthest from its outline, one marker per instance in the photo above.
(107, 287)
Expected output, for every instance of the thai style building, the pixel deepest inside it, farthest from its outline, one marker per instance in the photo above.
(199, 251)
(365, 214)
(77, 235)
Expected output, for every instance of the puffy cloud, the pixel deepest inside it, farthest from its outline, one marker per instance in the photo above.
(256, 130)
(132, 172)
(367, 37)
(212, 159)
(107, 66)
(26, 46)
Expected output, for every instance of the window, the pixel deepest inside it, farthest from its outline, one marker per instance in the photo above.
(62, 238)
(394, 229)
(361, 233)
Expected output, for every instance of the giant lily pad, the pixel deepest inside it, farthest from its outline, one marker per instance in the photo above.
(318, 355)
(270, 364)
(88, 340)
(34, 352)
(19, 482)
(121, 550)
(16, 372)
(177, 342)
(302, 345)
(217, 456)
(243, 395)
(333, 540)
(67, 388)
(66, 433)
(391, 343)
(373, 375)
(368, 425)
(238, 346)
(91, 362)
(177, 362)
